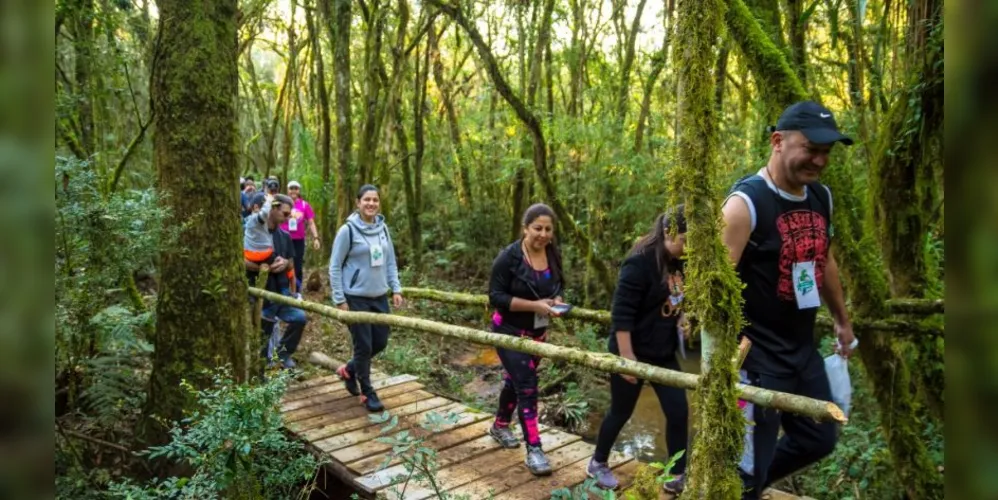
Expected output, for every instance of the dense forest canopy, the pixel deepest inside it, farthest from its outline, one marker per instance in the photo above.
(464, 113)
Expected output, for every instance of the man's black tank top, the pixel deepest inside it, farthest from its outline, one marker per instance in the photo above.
(786, 231)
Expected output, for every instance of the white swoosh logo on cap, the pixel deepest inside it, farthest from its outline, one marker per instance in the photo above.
(824, 115)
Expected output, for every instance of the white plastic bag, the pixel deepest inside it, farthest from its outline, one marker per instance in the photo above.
(837, 369)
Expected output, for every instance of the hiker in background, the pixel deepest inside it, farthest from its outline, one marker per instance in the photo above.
(645, 326)
(271, 187)
(362, 271)
(527, 280)
(777, 227)
(302, 218)
(247, 189)
(281, 347)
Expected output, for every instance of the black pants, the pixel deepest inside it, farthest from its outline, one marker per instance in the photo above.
(519, 389)
(623, 398)
(368, 339)
(804, 440)
(299, 246)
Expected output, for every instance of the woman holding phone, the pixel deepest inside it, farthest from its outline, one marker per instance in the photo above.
(646, 318)
(526, 284)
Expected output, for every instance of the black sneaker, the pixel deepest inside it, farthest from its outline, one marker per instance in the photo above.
(372, 403)
(349, 380)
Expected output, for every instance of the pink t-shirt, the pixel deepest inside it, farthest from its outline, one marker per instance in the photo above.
(302, 213)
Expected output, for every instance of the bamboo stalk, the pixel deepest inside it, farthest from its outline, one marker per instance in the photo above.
(897, 306)
(605, 362)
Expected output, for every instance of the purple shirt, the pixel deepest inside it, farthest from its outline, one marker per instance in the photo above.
(302, 213)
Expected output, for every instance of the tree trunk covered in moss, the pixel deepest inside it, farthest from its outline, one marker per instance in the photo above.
(201, 310)
(767, 13)
(713, 292)
(777, 82)
(905, 191)
(886, 369)
(860, 261)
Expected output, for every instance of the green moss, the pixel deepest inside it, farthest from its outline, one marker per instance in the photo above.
(713, 291)
(859, 258)
(201, 308)
(777, 82)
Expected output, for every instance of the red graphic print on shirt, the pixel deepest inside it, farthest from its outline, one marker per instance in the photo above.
(804, 235)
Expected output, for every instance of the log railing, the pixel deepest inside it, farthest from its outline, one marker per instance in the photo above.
(899, 327)
(605, 362)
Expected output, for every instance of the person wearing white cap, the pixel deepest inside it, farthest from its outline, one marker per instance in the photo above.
(302, 218)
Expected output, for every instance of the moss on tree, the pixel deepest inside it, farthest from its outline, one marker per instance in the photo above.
(713, 292)
(201, 309)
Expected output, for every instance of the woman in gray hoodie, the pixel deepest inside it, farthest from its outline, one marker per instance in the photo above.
(362, 271)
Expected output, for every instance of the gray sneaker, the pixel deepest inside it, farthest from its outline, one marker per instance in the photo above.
(537, 462)
(504, 436)
(600, 471)
(676, 486)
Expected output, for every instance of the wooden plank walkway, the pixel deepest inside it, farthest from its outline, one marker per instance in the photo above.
(335, 426)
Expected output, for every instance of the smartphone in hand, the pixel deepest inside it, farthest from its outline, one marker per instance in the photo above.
(561, 309)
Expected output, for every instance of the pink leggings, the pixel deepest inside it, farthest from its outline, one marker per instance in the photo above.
(519, 389)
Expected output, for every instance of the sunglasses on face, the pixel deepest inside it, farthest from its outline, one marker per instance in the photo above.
(286, 214)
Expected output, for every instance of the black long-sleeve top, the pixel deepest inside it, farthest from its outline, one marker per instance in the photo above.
(513, 277)
(638, 307)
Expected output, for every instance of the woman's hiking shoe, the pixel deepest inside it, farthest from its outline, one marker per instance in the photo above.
(346, 375)
(537, 463)
(675, 486)
(600, 471)
(504, 436)
(371, 402)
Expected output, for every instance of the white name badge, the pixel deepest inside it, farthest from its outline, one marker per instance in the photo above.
(293, 224)
(377, 256)
(806, 285)
(541, 321)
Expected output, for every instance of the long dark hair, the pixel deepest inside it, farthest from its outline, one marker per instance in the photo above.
(654, 240)
(530, 215)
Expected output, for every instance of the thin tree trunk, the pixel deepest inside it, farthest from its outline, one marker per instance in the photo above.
(533, 125)
(326, 211)
(657, 65)
(797, 28)
(338, 25)
(624, 85)
(445, 89)
(373, 99)
(411, 200)
(201, 311)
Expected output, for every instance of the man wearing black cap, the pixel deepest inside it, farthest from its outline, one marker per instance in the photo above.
(778, 229)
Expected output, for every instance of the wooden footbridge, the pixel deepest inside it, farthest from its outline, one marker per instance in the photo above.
(337, 428)
(469, 462)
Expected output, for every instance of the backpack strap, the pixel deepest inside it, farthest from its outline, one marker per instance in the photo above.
(349, 245)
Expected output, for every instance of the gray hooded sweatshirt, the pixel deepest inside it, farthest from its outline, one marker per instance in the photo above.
(350, 271)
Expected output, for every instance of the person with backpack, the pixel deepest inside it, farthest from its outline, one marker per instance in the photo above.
(526, 284)
(362, 271)
(778, 230)
(646, 322)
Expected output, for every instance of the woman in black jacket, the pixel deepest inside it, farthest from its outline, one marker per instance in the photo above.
(526, 282)
(647, 307)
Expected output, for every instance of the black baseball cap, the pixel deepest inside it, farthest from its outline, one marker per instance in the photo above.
(814, 121)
